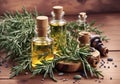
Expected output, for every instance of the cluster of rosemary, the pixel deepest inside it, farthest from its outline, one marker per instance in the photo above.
(17, 31)
(74, 28)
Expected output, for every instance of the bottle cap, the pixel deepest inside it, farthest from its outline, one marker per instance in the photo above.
(82, 15)
(42, 25)
(84, 37)
(58, 11)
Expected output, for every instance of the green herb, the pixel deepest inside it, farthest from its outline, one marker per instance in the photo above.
(17, 31)
(46, 68)
(72, 53)
(74, 28)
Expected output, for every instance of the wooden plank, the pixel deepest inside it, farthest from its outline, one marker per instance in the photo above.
(108, 72)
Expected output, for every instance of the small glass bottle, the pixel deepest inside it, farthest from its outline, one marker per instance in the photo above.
(84, 36)
(97, 43)
(42, 45)
(82, 20)
(58, 29)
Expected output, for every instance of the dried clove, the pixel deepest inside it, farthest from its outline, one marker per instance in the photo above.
(104, 66)
(109, 59)
(115, 66)
(108, 67)
(110, 78)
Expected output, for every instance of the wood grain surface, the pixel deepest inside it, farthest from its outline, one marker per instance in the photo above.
(67, 78)
(111, 73)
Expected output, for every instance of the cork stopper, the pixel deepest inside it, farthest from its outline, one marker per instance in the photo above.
(84, 38)
(42, 25)
(82, 15)
(57, 11)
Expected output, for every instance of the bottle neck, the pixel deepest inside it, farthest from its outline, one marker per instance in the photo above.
(57, 16)
(82, 21)
(42, 33)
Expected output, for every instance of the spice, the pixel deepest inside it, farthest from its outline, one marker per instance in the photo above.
(103, 61)
(115, 66)
(109, 59)
(102, 78)
(108, 67)
(61, 74)
(77, 77)
(104, 66)
(99, 81)
(110, 78)
(112, 63)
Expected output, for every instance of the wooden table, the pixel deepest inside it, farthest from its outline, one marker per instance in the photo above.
(111, 71)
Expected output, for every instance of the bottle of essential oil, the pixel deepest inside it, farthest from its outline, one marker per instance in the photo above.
(42, 45)
(82, 20)
(84, 36)
(57, 26)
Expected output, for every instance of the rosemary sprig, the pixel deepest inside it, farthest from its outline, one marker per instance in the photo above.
(46, 68)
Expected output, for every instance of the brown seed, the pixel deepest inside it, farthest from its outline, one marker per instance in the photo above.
(99, 81)
(115, 66)
(109, 59)
(95, 80)
(107, 62)
(102, 78)
(110, 78)
(108, 67)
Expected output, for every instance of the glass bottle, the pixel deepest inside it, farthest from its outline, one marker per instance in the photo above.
(82, 20)
(84, 36)
(97, 43)
(58, 29)
(42, 45)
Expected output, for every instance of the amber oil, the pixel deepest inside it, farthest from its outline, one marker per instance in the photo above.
(58, 29)
(42, 45)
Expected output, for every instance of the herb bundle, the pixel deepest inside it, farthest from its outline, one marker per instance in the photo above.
(17, 31)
